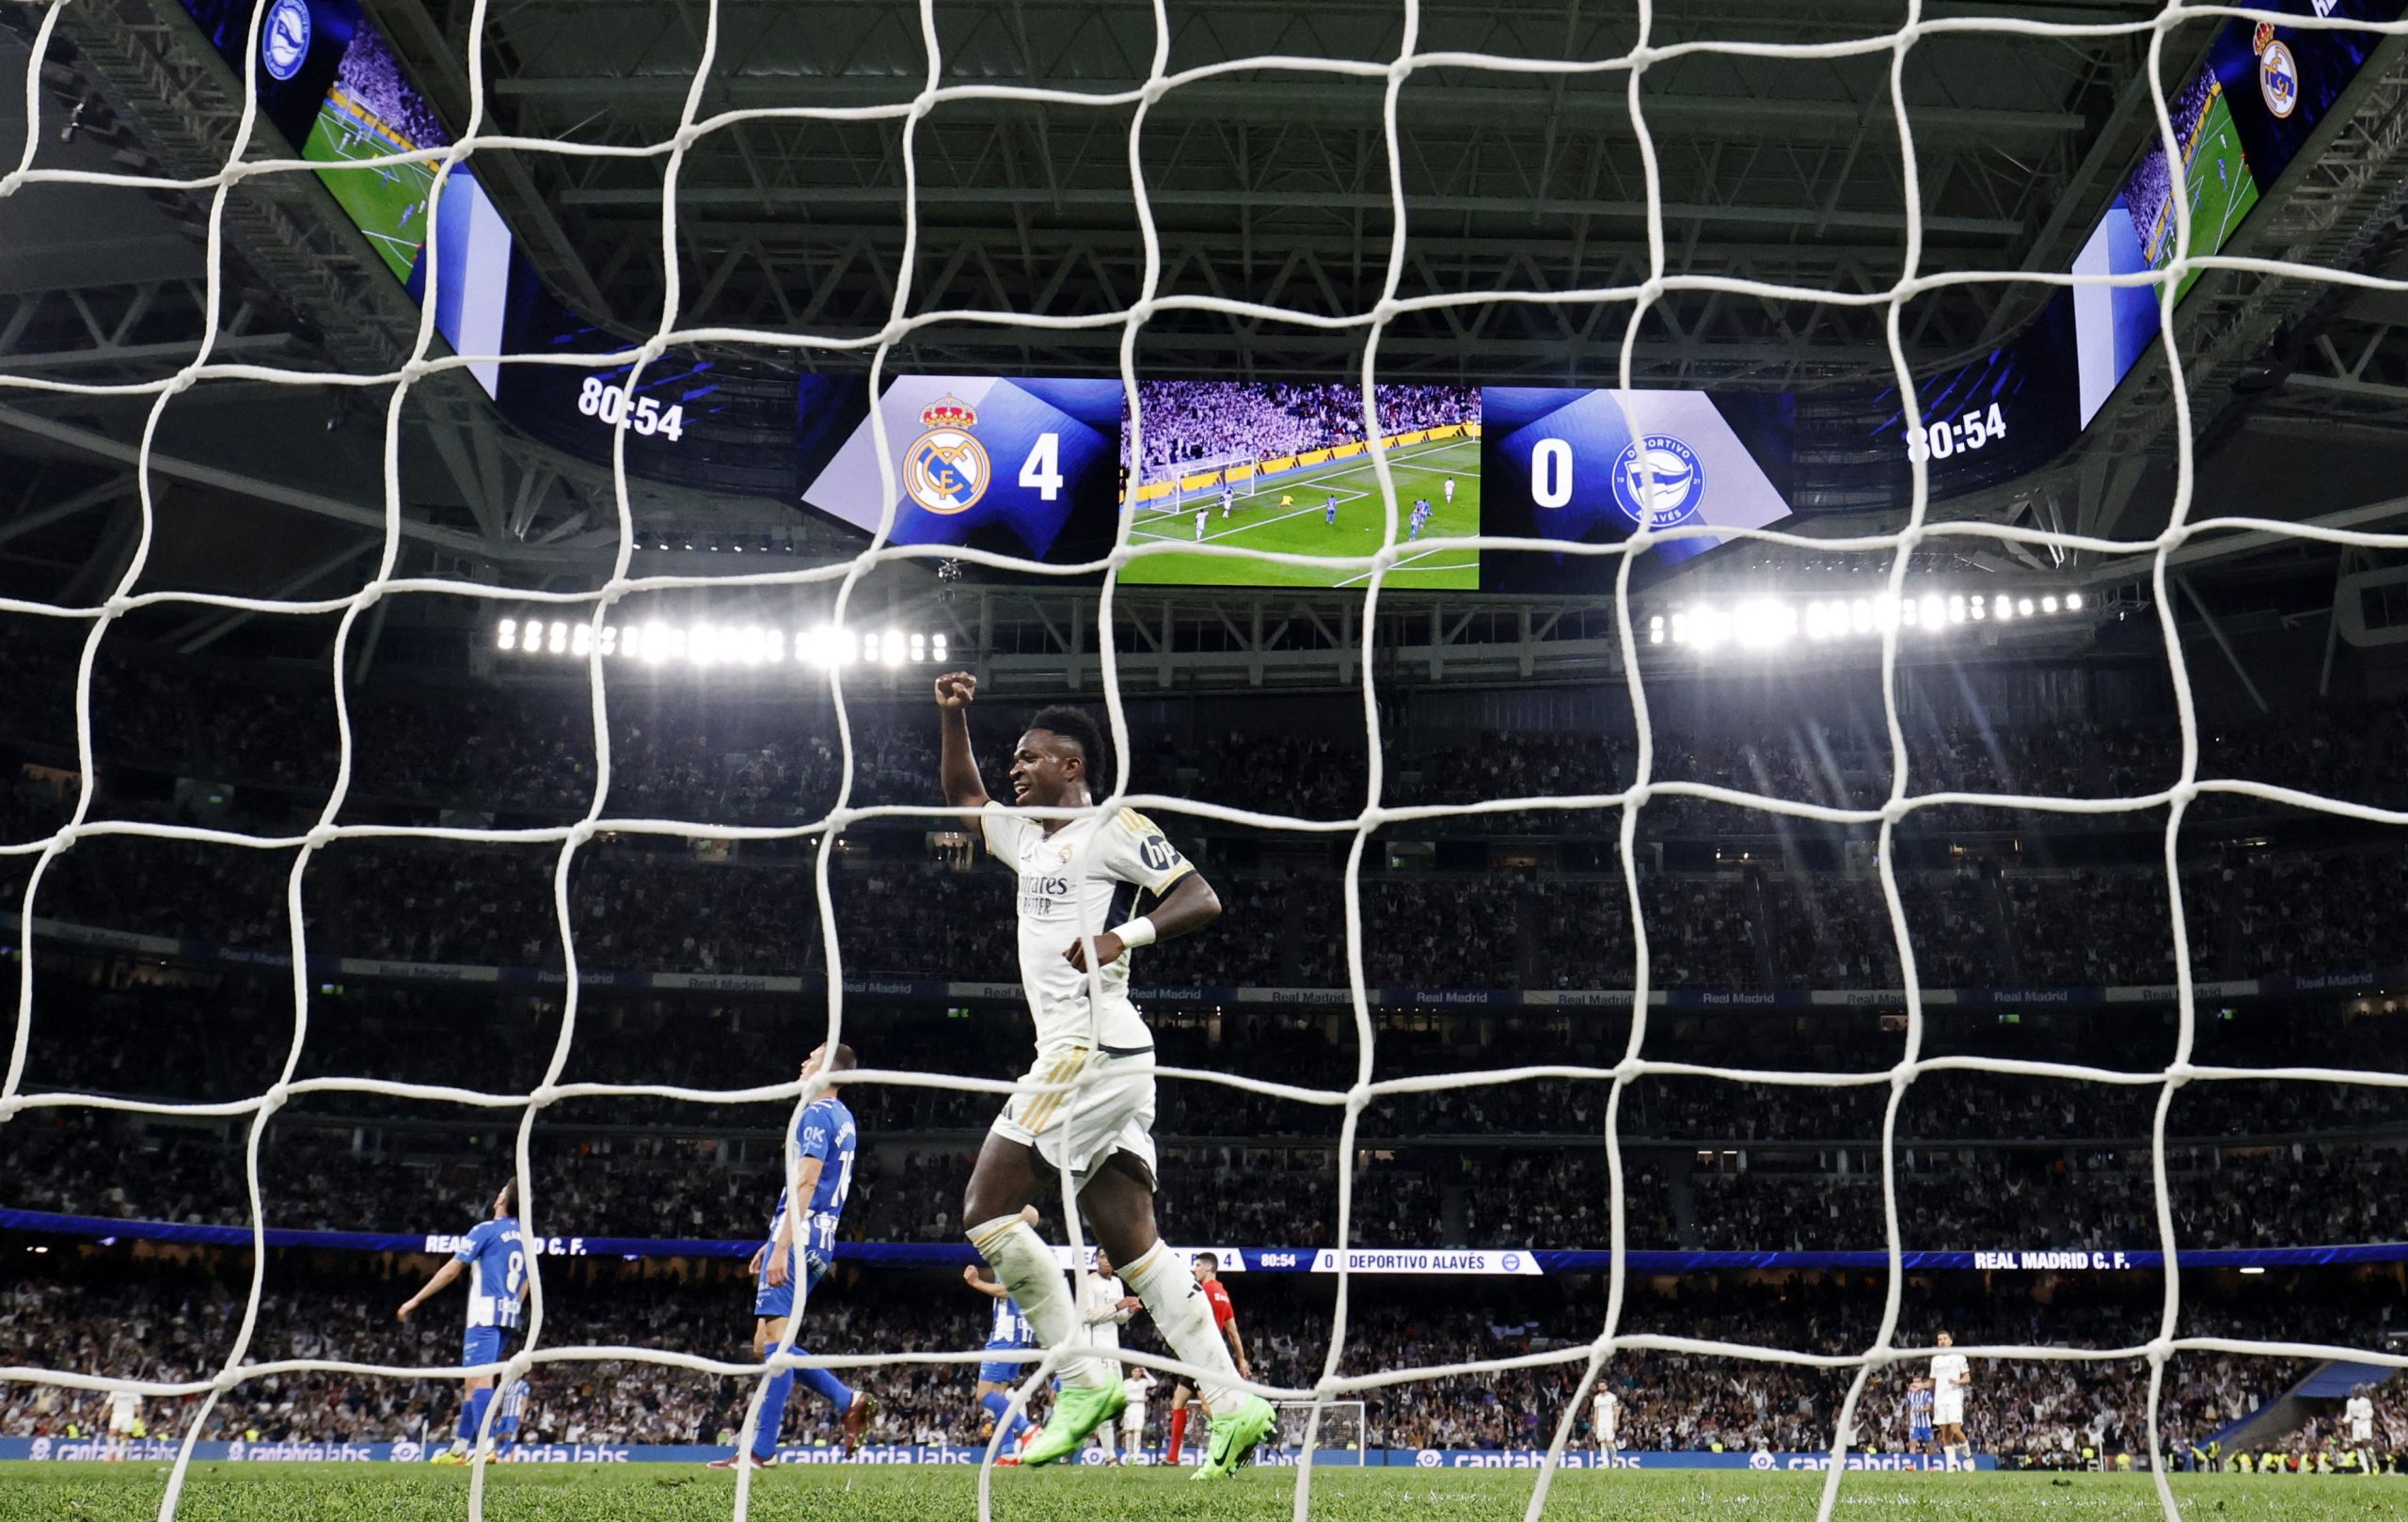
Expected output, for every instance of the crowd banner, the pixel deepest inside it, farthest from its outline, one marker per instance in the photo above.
(1434, 1261)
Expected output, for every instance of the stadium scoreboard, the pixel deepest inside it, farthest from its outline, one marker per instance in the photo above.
(1040, 469)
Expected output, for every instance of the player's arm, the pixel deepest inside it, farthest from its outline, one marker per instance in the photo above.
(806, 1181)
(1118, 1311)
(993, 1291)
(1188, 906)
(957, 769)
(1236, 1347)
(442, 1280)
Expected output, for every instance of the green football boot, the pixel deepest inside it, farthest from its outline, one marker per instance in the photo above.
(1078, 1411)
(1235, 1436)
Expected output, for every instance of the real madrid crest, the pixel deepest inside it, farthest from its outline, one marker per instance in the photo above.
(2277, 71)
(945, 469)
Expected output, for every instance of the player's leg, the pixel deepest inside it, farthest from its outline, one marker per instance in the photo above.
(1175, 1438)
(775, 1307)
(478, 1345)
(1133, 1431)
(1012, 1171)
(507, 1415)
(1006, 1179)
(1118, 1203)
(994, 1397)
(476, 1394)
(768, 1332)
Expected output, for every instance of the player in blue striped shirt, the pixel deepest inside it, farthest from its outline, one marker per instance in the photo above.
(1919, 1415)
(1008, 1333)
(495, 1255)
(800, 1247)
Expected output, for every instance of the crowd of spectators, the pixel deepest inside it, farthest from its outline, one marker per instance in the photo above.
(178, 1322)
(318, 1173)
(646, 909)
(372, 77)
(1706, 1164)
(636, 907)
(1187, 421)
(682, 754)
(1745, 920)
(216, 1036)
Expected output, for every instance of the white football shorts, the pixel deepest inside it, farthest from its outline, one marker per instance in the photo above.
(1075, 1130)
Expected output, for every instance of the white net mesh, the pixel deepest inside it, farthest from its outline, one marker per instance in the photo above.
(1324, 1426)
(1332, 1390)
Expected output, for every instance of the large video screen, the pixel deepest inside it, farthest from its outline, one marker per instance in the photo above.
(1567, 465)
(1286, 465)
(330, 83)
(2239, 121)
(1042, 468)
(1020, 467)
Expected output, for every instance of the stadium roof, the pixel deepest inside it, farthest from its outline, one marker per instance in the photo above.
(1264, 186)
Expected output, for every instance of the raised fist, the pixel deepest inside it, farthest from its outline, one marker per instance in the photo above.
(955, 689)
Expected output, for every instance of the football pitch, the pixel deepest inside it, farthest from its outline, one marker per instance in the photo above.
(387, 204)
(1258, 522)
(2216, 177)
(681, 1493)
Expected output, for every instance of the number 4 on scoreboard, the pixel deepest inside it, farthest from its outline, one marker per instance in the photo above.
(1042, 472)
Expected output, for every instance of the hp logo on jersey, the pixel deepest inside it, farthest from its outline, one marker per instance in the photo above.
(946, 471)
(1680, 480)
(2279, 79)
(284, 39)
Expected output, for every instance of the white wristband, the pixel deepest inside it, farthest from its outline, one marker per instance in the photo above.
(1138, 932)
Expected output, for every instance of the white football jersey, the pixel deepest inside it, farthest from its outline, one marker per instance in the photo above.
(124, 1405)
(1100, 1296)
(1604, 1409)
(2361, 1414)
(1948, 1371)
(1085, 875)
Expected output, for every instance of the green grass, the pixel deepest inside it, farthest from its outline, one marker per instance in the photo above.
(2216, 177)
(1260, 523)
(679, 1493)
(389, 203)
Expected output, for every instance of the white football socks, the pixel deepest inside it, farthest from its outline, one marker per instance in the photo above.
(1026, 1266)
(1185, 1318)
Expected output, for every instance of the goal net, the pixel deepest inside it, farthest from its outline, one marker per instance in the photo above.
(1184, 485)
(1638, 60)
(1307, 1429)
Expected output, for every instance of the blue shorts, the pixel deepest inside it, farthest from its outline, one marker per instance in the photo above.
(1007, 1372)
(778, 1300)
(1919, 1435)
(483, 1344)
